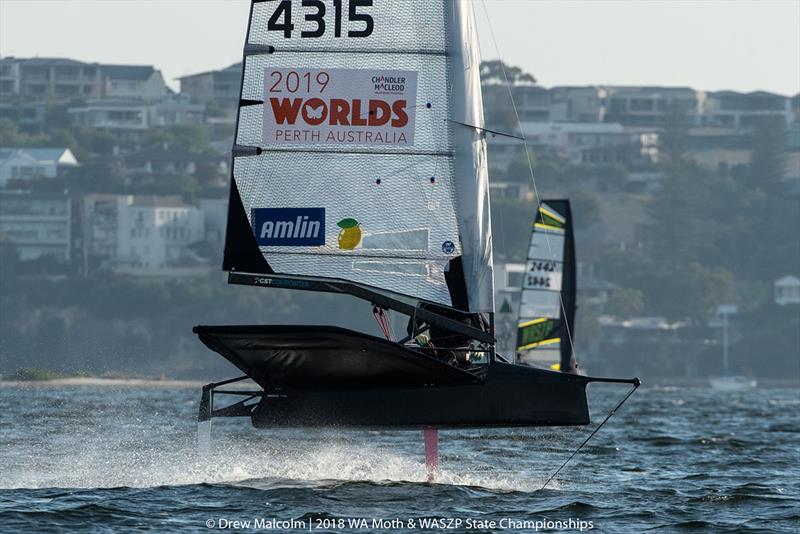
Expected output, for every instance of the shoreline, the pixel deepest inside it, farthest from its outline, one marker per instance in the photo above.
(195, 383)
(120, 382)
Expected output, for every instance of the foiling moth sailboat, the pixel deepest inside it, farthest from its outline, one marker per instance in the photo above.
(359, 167)
(546, 325)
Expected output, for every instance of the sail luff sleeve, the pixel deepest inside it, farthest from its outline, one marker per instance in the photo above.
(569, 292)
(345, 165)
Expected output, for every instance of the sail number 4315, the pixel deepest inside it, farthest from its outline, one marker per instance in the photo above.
(315, 12)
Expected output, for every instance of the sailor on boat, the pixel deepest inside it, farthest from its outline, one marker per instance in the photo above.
(448, 346)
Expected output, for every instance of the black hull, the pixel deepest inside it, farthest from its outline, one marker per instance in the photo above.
(327, 376)
(511, 395)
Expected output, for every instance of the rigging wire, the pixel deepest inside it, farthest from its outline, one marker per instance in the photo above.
(384, 322)
(636, 385)
(530, 167)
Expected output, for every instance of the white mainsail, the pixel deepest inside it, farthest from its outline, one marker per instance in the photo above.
(352, 158)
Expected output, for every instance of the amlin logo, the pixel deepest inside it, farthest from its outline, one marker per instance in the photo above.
(289, 227)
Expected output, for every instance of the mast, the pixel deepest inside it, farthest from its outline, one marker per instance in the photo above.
(471, 169)
(569, 292)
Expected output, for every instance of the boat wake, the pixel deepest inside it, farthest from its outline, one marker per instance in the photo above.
(286, 459)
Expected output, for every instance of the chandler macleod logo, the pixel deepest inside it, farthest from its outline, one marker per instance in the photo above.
(389, 85)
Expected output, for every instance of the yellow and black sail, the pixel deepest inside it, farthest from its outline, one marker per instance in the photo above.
(547, 307)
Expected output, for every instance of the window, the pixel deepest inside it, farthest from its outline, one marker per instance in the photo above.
(514, 280)
(641, 104)
(67, 73)
(68, 90)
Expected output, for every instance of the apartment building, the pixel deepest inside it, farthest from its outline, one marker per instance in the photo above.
(37, 225)
(136, 115)
(214, 86)
(50, 78)
(133, 82)
(61, 79)
(154, 236)
(649, 106)
(117, 115)
(732, 109)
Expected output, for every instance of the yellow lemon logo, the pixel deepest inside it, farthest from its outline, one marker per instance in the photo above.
(349, 235)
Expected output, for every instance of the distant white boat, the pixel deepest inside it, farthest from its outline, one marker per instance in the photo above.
(732, 383)
(729, 382)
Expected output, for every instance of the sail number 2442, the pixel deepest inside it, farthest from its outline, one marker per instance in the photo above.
(359, 23)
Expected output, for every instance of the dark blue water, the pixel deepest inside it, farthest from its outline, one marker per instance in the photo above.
(124, 458)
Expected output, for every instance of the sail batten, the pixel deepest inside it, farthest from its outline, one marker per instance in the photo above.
(260, 50)
(346, 161)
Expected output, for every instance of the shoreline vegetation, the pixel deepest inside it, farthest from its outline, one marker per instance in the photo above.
(37, 376)
(32, 376)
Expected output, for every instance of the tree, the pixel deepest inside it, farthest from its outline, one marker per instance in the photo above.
(767, 162)
(549, 169)
(63, 137)
(10, 136)
(585, 209)
(95, 142)
(587, 327)
(9, 259)
(191, 137)
(511, 224)
(497, 78)
(680, 228)
(519, 169)
(495, 72)
(57, 115)
(693, 291)
(673, 141)
(610, 177)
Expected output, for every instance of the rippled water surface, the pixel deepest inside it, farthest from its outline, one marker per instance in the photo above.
(116, 458)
